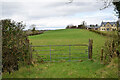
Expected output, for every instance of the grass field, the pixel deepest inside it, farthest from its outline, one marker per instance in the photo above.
(67, 37)
(83, 69)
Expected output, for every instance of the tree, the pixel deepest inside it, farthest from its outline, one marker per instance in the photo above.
(32, 26)
(70, 26)
(67, 27)
(96, 25)
(33, 30)
(82, 25)
(92, 25)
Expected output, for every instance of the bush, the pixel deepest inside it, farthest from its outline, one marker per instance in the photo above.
(36, 32)
(71, 27)
(104, 34)
(67, 27)
(16, 48)
(81, 27)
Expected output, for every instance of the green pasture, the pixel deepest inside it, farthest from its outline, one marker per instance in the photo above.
(68, 37)
(84, 68)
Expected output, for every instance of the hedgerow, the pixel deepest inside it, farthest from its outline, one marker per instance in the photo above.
(15, 45)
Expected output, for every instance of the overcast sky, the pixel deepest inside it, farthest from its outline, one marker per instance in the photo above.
(56, 14)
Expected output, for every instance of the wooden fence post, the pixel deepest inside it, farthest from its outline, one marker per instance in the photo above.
(101, 58)
(90, 48)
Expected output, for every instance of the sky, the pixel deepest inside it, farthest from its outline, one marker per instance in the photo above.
(56, 14)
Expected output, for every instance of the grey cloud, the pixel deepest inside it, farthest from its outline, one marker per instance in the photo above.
(62, 9)
(42, 10)
(11, 8)
(57, 4)
(36, 10)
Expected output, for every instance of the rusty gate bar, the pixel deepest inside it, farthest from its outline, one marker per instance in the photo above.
(50, 52)
(59, 45)
(58, 50)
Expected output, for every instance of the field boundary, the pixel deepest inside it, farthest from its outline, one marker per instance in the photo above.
(104, 34)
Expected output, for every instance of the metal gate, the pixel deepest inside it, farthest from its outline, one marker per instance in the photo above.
(61, 53)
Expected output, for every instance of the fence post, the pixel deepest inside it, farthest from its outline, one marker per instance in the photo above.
(69, 53)
(90, 49)
(101, 58)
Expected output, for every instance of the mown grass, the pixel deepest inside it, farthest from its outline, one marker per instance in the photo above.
(82, 69)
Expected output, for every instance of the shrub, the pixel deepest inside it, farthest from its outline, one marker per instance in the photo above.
(81, 27)
(67, 27)
(71, 27)
(36, 32)
(104, 34)
(16, 48)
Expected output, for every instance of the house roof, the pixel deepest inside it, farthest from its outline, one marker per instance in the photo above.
(104, 23)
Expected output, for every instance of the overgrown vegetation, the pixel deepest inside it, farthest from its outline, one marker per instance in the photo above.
(34, 32)
(111, 34)
(16, 46)
(112, 46)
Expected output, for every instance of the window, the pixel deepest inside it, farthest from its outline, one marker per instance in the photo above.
(107, 29)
